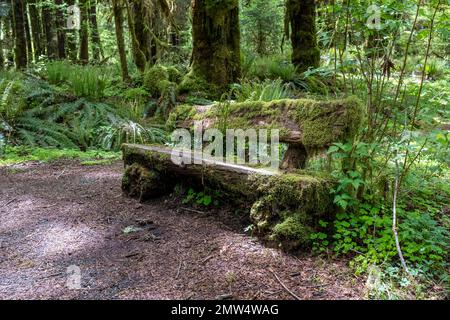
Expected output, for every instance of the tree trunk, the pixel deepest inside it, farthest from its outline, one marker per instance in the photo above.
(118, 19)
(216, 42)
(139, 34)
(2, 39)
(60, 29)
(8, 31)
(27, 32)
(95, 35)
(71, 39)
(36, 28)
(84, 32)
(49, 25)
(302, 18)
(20, 43)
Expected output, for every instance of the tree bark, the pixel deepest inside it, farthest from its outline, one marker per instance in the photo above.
(140, 35)
(60, 29)
(49, 27)
(216, 41)
(2, 39)
(20, 43)
(71, 39)
(84, 32)
(301, 15)
(36, 28)
(118, 20)
(27, 32)
(95, 35)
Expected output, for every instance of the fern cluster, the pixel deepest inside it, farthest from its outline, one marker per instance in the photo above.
(36, 114)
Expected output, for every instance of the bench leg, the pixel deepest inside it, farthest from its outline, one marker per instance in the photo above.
(143, 183)
(295, 158)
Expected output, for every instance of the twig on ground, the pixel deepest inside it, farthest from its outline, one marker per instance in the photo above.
(9, 202)
(284, 286)
(193, 210)
(207, 259)
(179, 269)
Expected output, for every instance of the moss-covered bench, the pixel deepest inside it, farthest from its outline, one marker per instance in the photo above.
(306, 126)
(286, 205)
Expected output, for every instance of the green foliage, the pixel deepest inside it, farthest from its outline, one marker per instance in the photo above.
(267, 90)
(202, 198)
(126, 131)
(83, 81)
(273, 67)
(262, 26)
(21, 154)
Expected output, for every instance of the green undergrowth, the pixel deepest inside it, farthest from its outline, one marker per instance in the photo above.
(19, 155)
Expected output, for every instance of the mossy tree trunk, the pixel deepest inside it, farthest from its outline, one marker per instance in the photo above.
(95, 34)
(216, 41)
(36, 28)
(8, 31)
(301, 15)
(48, 14)
(20, 43)
(139, 21)
(60, 34)
(118, 19)
(2, 37)
(27, 32)
(71, 38)
(84, 31)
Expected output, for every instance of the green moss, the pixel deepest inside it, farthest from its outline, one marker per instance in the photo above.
(321, 123)
(174, 75)
(289, 206)
(198, 87)
(179, 114)
(295, 230)
(153, 77)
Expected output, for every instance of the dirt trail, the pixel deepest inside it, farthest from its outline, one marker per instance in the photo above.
(53, 216)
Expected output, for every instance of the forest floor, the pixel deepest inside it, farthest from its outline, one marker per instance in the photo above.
(63, 214)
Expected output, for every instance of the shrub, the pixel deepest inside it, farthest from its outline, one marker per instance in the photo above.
(153, 75)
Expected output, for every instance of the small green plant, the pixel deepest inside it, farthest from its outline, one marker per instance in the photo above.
(200, 198)
(267, 90)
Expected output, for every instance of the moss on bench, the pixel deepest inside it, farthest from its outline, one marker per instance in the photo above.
(316, 124)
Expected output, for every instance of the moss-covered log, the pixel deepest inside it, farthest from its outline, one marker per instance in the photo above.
(301, 16)
(307, 124)
(285, 208)
(216, 44)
